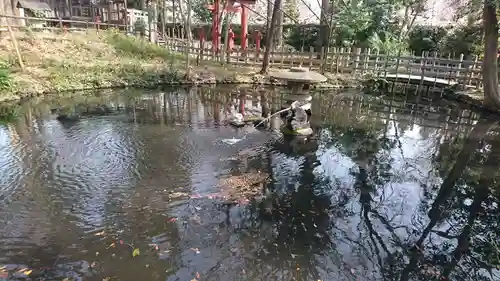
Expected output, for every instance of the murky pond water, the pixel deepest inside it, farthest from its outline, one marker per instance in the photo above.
(387, 189)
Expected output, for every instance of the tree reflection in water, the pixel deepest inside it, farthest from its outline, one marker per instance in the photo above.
(335, 208)
(454, 241)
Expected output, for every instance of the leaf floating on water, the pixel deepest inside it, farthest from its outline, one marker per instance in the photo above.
(112, 245)
(196, 250)
(136, 252)
(102, 233)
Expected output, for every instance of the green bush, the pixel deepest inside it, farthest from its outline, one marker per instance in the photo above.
(425, 38)
(138, 48)
(6, 81)
(465, 40)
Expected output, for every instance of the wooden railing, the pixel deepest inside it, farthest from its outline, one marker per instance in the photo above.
(467, 73)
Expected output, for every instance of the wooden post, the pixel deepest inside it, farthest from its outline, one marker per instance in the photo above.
(348, 59)
(301, 56)
(356, 59)
(473, 72)
(322, 57)
(386, 63)
(376, 62)
(16, 46)
(282, 54)
(339, 60)
(459, 66)
(311, 56)
(333, 54)
(366, 60)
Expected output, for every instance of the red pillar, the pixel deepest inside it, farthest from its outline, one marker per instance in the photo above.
(244, 27)
(256, 35)
(215, 26)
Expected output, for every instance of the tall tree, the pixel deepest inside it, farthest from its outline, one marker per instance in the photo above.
(490, 60)
(270, 37)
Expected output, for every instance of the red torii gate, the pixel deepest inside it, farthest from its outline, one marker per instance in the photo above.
(230, 8)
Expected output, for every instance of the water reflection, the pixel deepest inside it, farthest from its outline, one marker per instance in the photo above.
(386, 189)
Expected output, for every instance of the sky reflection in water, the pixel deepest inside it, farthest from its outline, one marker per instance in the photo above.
(386, 190)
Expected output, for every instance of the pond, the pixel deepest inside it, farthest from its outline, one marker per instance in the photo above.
(390, 187)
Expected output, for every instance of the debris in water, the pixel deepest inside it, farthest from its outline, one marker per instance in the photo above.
(197, 275)
(155, 246)
(240, 188)
(231, 141)
(196, 250)
(25, 271)
(172, 220)
(136, 252)
(112, 245)
(102, 233)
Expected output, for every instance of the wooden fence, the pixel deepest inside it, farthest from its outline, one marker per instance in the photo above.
(466, 73)
(355, 61)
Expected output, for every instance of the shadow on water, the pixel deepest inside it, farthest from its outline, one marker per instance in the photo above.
(126, 186)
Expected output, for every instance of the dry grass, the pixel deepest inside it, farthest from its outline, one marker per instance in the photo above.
(67, 61)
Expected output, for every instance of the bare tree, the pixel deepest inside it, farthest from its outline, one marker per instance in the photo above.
(270, 37)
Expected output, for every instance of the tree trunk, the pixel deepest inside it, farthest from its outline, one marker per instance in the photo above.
(490, 68)
(270, 37)
(225, 51)
(278, 38)
(189, 39)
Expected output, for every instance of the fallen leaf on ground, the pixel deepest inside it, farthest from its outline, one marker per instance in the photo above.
(136, 252)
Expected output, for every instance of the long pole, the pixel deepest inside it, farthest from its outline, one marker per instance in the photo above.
(16, 47)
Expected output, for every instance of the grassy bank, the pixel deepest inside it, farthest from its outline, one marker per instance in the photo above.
(72, 61)
(61, 62)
